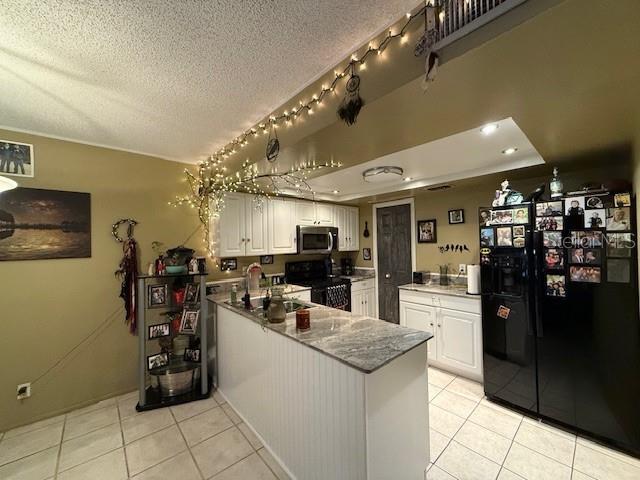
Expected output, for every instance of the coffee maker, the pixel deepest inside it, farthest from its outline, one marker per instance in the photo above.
(346, 265)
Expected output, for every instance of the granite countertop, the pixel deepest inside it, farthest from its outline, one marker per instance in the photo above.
(363, 343)
(458, 290)
(359, 277)
(288, 290)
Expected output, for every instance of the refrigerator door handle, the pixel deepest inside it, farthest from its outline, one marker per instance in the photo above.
(539, 282)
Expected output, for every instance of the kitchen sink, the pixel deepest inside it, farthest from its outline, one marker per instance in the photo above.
(290, 305)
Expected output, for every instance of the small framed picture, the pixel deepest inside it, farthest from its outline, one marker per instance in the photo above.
(549, 209)
(556, 286)
(593, 203)
(520, 216)
(189, 321)
(595, 218)
(159, 330)
(192, 293)
(590, 239)
(619, 245)
(587, 256)
(622, 200)
(618, 270)
(228, 264)
(366, 254)
(16, 159)
(552, 239)
(427, 231)
(619, 219)
(157, 295)
(487, 237)
(266, 259)
(549, 223)
(504, 237)
(518, 231)
(574, 206)
(456, 216)
(484, 217)
(502, 217)
(191, 354)
(554, 258)
(157, 361)
(519, 242)
(585, 274)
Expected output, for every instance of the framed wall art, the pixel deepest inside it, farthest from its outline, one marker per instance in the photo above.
(427, 231)
(16, 159)
(456, 216)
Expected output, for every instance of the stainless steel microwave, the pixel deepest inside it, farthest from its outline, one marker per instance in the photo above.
(317, 239)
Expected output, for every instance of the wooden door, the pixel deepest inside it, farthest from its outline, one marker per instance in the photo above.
(458, 338)
(231, 231)
(282, 226)
(420, 317)
(394, 257)
(256, 225)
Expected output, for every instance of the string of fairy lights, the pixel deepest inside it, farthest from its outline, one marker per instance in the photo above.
(208, 187)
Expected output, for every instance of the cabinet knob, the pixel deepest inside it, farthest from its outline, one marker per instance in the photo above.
(248, 239)
(431, 324)
(438, 325)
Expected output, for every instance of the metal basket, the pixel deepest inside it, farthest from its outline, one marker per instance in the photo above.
(176, 379)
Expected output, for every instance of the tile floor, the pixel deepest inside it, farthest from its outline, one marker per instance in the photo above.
(471, 438)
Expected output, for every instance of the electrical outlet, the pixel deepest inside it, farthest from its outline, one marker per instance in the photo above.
(24, 391)
(462, 270)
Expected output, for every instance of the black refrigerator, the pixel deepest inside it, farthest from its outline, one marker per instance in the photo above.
(561, 330)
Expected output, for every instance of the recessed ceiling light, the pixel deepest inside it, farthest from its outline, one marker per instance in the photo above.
(489, 128)
(407, 179)
(510, 150)
(335, 192)
(297, 185)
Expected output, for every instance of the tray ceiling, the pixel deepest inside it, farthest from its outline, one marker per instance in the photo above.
(171, 79)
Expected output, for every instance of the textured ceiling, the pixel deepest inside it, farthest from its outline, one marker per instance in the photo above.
(172, 79)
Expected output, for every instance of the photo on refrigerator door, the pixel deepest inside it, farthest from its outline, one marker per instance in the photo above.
(556, 286)
(552, 239)
(619, 245)
(574, 206)
(622, 200)
(554, 258)
(487, 237)
(591, 239)
(618, 270)
(585, 274)
(502, 217)
(504, 237)
(586, 256)
(595, 218)
(619, 219)
(549, 223)
(593, 203)
(520, 216)
(549, 209)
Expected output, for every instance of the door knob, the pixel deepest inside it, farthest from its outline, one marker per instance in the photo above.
(387, 275)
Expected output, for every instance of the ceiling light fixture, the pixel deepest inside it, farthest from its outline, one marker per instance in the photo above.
(335, 192)
(406, 179)
(510, 150)
(7, 184)
(489, 128)
(381, 174)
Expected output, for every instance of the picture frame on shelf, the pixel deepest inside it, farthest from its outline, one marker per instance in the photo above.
(192, 355)
(192, 293)
(158, 360)
(189, 321)
(427, 231)
(456, 216)
(159, 330)
(157, 295)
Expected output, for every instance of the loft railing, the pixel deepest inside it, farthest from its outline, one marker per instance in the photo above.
(460, 17)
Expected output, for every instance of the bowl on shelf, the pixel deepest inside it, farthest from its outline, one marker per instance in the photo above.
(175, 379)
(176, 269)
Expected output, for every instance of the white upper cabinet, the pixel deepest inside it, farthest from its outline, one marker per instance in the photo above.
(256, 226)
(282, 226)
(348, 223)
(311, 213)
(231, 227)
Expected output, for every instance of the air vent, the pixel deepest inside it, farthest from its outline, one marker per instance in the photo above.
(438, 188)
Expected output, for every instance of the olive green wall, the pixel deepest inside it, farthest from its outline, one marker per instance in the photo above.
(48, 306)
(470, 195)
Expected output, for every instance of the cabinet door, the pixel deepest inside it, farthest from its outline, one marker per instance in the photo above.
(353, 228)
(325, 215)
(370, 302)
(256, 226)
(305, 213)
(341, 222)
(231, 231)
(357, 303)
(420, 317)
(282, 226)
(459, 340)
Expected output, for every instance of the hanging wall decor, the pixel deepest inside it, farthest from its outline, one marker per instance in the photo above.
(352, 103)
(128, 271)
(273, 145)
(426, 43)
(40, 224)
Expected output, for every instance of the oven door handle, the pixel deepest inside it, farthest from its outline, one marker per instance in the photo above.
(330, 242)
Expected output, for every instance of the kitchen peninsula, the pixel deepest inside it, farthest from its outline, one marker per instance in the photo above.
(346, 399)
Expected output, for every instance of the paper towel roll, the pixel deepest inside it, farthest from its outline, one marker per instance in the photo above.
(473, 279)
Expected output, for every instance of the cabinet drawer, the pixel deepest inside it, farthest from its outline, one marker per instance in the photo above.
(363, 285)
(462, 304)
(421, 298)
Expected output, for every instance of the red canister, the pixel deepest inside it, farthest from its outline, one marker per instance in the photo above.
(303, 320)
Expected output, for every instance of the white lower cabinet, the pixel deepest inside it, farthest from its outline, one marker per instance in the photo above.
(363, 298)
(456, 324)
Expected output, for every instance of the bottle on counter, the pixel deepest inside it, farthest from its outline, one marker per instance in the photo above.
(234, 294)
(276, 313)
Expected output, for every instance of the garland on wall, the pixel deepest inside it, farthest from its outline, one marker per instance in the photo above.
(208, 187)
